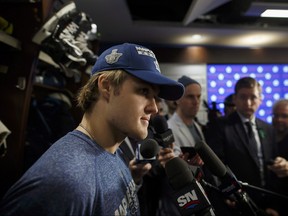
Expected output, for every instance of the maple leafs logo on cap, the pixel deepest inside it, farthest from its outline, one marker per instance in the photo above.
(113, 57)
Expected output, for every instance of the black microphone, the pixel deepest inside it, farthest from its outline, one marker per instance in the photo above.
(163, 135)
(189, 195)
(146, 151)
(229, 183)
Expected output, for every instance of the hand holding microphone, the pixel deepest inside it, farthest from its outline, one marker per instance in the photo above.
(165, 155)
(190, 155)
(189, 195)
(146, 153)
(164, 136)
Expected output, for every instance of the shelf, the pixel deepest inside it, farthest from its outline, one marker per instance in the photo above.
(40, 88)
(9, 40)
(51, 88)
(46, 58)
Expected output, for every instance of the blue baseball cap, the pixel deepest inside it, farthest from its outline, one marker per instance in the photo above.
(139, 62)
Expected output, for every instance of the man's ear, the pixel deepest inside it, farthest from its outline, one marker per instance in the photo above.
(104, 87)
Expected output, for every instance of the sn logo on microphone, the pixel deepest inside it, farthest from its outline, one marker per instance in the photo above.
(188, 200)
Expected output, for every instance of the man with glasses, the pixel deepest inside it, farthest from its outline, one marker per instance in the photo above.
(280, 164)
(280, 119)
(244, 142)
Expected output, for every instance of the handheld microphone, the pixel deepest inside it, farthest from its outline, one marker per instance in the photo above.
(146, 151)
(229, 183)
(163, 135)
(189, 195)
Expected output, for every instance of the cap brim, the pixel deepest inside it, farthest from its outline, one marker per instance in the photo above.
(169, 89)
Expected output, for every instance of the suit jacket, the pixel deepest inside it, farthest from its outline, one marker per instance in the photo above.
(283, 182)
(229, 140)
(182, 134)
(283, 152)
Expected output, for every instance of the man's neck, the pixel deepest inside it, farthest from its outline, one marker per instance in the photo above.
(250, 118)
(281, 135)
(187, 120)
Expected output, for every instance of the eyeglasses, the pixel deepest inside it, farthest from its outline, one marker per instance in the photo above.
(276, 115)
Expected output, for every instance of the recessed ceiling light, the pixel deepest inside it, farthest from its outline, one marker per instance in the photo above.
(275, 13)
(196, 37)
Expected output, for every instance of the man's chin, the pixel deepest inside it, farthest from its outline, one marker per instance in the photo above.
(141, 136)
(248, 114)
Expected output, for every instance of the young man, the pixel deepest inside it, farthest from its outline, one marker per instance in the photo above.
(187, 132)
(84, 172)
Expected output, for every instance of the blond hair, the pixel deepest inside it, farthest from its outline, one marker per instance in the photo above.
(89, 93)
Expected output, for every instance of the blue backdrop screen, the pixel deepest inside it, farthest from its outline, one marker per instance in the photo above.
(221, 79)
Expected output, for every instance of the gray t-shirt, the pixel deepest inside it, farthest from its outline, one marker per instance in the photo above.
(75, 176)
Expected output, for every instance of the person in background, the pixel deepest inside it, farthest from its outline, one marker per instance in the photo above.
(171, 106)
(229, 105)
(280, 164)
(187, 132)
(84, 172)
(280, 124)
(161, 106)
(243, 149)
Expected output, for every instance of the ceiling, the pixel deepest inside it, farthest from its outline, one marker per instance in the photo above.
(230, 23)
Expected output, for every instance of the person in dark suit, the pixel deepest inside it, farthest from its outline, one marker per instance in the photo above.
(280, 163)
(243, 149)
(229, 106)
(280, 123)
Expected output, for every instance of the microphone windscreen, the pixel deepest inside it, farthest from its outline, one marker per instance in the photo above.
(159, 123)
(211, 160)
(149, 148)
(178, 173)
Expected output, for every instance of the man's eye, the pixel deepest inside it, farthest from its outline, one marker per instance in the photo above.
(144, 91)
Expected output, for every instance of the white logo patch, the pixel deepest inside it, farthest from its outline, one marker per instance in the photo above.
(113, 57)
(157, 65)
(148, 52)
